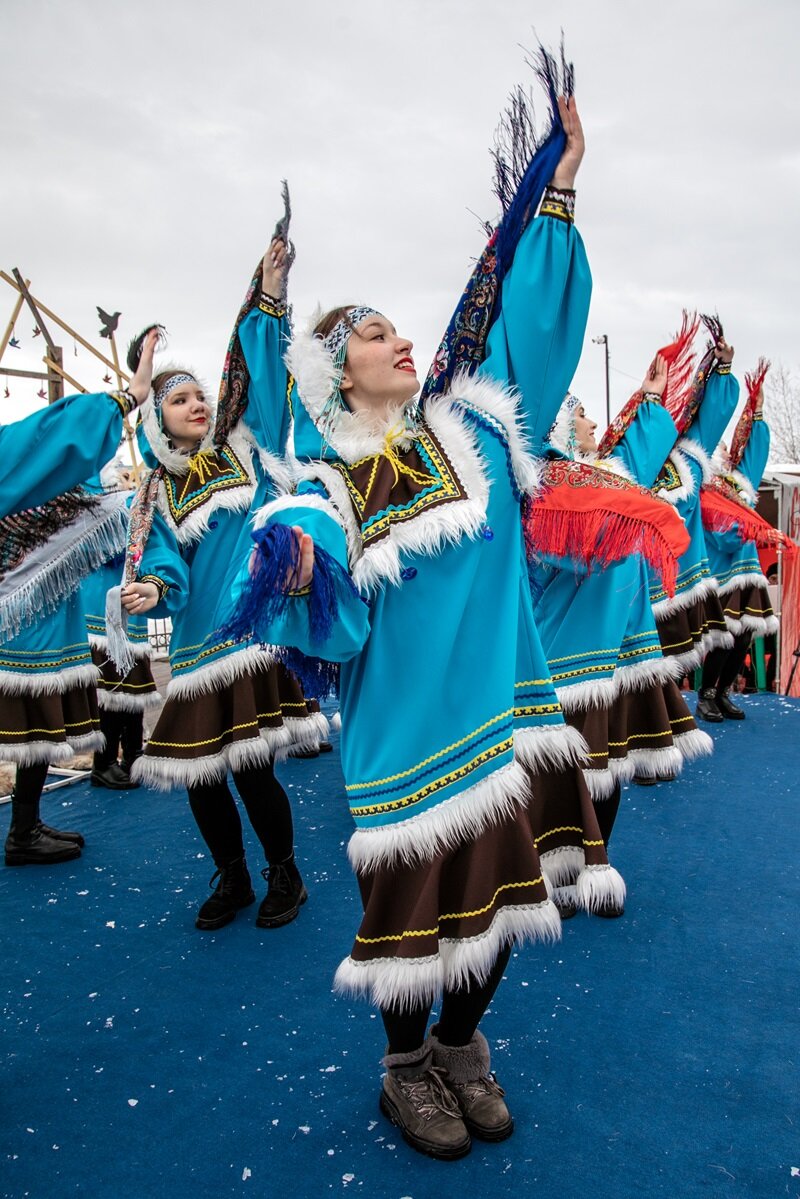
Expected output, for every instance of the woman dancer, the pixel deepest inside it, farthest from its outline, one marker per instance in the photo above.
(590, 532)
(446, 704)
(732, 550)
(189, 523)
(53, 533)
(122, 701)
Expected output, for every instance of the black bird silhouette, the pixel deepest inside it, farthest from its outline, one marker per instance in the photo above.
(14, 343)
(109, 322)
(37, 331)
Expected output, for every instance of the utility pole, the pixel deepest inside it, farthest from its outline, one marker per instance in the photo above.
(602, 340)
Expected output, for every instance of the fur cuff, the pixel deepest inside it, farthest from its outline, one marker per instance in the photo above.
(463, 1063)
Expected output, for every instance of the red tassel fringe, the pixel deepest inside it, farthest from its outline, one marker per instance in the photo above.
(723, 515)
(680, 360)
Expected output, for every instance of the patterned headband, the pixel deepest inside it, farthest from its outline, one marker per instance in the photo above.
(169, 385)
(341, 331)
(562, 430)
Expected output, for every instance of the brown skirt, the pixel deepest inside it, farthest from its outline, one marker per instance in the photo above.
(49, 728)
(134, 693)
(690, 633)
(199, 738)
(437, 925)
(749, 609)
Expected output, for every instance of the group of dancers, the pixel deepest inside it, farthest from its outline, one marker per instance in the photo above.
(504, 609)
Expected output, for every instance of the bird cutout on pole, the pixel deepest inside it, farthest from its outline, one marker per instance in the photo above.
(109, 323)
(9, 332)
(14, 343)
(37, 331)
(6, 392)
(106, 377)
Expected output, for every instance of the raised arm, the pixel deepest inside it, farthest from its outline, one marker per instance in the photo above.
(648, 439)
(535, 343)
(718, 404)
(263, 336)
(756, 452)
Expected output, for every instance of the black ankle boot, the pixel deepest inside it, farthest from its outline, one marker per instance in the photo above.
(233, 892)
(707, 706)
(61, 834)
(113, 777)
(727, 707)
(285, 894)
(31, 843)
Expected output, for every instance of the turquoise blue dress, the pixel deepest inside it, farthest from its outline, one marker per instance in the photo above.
(602, 645)
(228, 706)
(48, 700)
(735, 564)
(690, 623)
(448, 709)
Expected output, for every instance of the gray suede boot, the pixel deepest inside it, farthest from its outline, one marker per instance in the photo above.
(415, 1097)
(478, 1092)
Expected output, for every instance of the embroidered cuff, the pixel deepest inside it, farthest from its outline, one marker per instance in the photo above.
(758, 416)
(163, 587)
(272, 307)
(652, 396)
(300, 591)
(558, 202)
(126, 401)
(723, 368)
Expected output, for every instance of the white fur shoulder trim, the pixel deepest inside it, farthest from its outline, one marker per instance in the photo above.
(693, 449)
(676, 494)
(503, 405)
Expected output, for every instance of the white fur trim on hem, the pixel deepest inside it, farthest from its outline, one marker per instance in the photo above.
(306, 731)
(656, 763)
(217, 675)
(336, 722)
(601, 783)
(641, 675)
(54, 682)
(746, 579)
(164, 774)
(87, 743)
(122, 701)
(462, 817)
(759, 626)
(139, 649)
(562, 866)
(545, 749)
(33, 753)
(599, 887)
(406, 982)
(685, 599)
(591, 693)
(694, 744)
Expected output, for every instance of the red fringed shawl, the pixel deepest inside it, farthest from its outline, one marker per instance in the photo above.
(598, 518)
(724, 512)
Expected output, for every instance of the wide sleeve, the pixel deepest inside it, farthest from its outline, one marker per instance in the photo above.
(756, 453)
(536, 341)
(264, 336)
(644, 447)
(293, 625)
(57, 448)
(716, 409)
(163, 565)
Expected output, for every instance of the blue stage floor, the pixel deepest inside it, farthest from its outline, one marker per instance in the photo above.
(652, 1056)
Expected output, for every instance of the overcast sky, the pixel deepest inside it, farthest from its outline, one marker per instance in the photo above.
(143, 146)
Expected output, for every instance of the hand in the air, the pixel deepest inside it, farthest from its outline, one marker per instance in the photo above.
(273, 268)
(139, 386)
(567, 168)
(655, 381)
(724, 351)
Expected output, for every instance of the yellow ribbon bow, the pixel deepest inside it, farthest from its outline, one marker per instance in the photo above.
(201, 464)
(399, 467)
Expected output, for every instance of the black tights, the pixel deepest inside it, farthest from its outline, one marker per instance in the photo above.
(267, 806)
(123, 728)
(28, 784)
(606, 812)
(460, 1015)
(723, 665)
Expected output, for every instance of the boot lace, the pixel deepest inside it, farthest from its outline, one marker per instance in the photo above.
(277, 879)
(478, 1087)
(429, 1094)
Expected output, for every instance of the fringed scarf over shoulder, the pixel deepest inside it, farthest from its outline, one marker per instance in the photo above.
(46, 552)
(596, 517)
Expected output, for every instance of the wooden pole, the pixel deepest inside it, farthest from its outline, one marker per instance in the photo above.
(55, 377)
(10, 326)
(7, 370)
(59, 370)
(63, 325)
(125, 423)
(29, 300)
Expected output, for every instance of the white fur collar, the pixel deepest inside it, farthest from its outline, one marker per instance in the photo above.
(675, 494)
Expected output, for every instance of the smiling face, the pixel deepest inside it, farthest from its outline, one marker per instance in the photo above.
(186, 416)
(584, 431)
(379, 373)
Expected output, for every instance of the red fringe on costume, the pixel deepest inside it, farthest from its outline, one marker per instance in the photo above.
(754, 380)
(597, 518)
(723, 512)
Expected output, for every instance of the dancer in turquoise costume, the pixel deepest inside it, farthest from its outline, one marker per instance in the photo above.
(691, 623)
(401, 557)
(591, 530)
(733, 556)
(123, 700)
(53, 533)
(227, 706)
